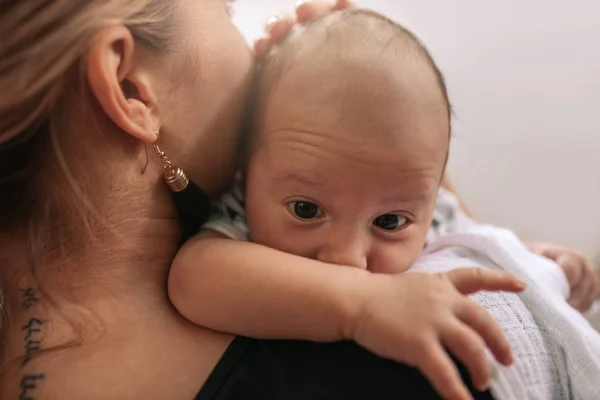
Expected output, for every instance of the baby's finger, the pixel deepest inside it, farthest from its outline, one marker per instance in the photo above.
(468, 347)
(471, 280)
(307, 10)
(486, 326)
(439, 369)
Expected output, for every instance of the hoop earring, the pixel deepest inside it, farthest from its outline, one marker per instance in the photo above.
(192, 203)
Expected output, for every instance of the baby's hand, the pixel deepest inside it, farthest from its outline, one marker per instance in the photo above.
(581, 274)
(278, 27)
(412, 317)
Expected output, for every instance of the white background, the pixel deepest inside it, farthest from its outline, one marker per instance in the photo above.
(524, 79)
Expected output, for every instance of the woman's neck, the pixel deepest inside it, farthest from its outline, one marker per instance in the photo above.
(89, 297)
(135, 258)
(101, 239)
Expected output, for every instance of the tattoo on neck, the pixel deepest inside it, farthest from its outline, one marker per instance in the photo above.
(30, 298)
(32, 339)
(29, 385)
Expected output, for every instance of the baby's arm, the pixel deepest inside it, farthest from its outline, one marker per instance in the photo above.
(244, 288)
(221, 281)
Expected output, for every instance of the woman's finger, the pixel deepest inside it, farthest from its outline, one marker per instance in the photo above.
(278, 26)
(594, 276)
(572, 268)
(439, 369)
(471, 280)
(343, 5)
(488, 328)
(262, 47)
(546, 250)
(578, 296)
(582, 293)
(588, 300)
(596, 284)
(307, 10)
(469, 347)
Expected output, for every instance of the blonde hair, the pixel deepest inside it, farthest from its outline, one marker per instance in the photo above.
(42, 46)
(43, 40)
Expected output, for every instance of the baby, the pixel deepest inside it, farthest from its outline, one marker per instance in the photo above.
(348, 146)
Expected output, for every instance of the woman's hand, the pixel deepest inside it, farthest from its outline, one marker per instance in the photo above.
(278, 27)
(413, 317)
(583, 278)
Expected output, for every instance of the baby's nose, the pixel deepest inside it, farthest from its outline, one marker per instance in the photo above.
(351, 255)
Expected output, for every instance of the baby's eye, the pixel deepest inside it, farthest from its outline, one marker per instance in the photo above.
(390, 222)
(305, 210)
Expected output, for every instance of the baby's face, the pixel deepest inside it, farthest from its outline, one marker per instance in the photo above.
(346, 170)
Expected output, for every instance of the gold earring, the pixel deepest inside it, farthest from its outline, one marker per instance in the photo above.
(173, 176)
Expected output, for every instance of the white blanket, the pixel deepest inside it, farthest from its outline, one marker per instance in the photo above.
(557, 352)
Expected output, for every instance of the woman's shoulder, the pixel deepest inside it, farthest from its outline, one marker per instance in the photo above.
(290, 370)
(163, 358)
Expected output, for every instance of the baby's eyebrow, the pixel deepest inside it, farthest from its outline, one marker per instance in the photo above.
(300, 177)
(409, 198)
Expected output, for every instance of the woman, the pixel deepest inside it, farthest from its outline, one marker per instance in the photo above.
(88, 230)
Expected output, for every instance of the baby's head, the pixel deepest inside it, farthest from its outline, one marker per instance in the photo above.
(349, 144)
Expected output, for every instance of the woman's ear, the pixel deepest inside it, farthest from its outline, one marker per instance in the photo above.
(122, 90)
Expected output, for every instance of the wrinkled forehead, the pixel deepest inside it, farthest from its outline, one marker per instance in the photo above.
(370, 85)
(358, 88)
(387, 102)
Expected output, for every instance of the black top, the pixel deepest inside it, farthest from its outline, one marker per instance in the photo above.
(293, 370)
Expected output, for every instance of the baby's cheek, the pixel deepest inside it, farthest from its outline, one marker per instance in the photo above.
(265, 231)
(395, 257)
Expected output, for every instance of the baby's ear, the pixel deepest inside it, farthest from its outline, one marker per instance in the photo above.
(121, 88)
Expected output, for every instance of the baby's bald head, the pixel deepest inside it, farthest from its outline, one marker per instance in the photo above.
(350, 45)
(354, 69)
